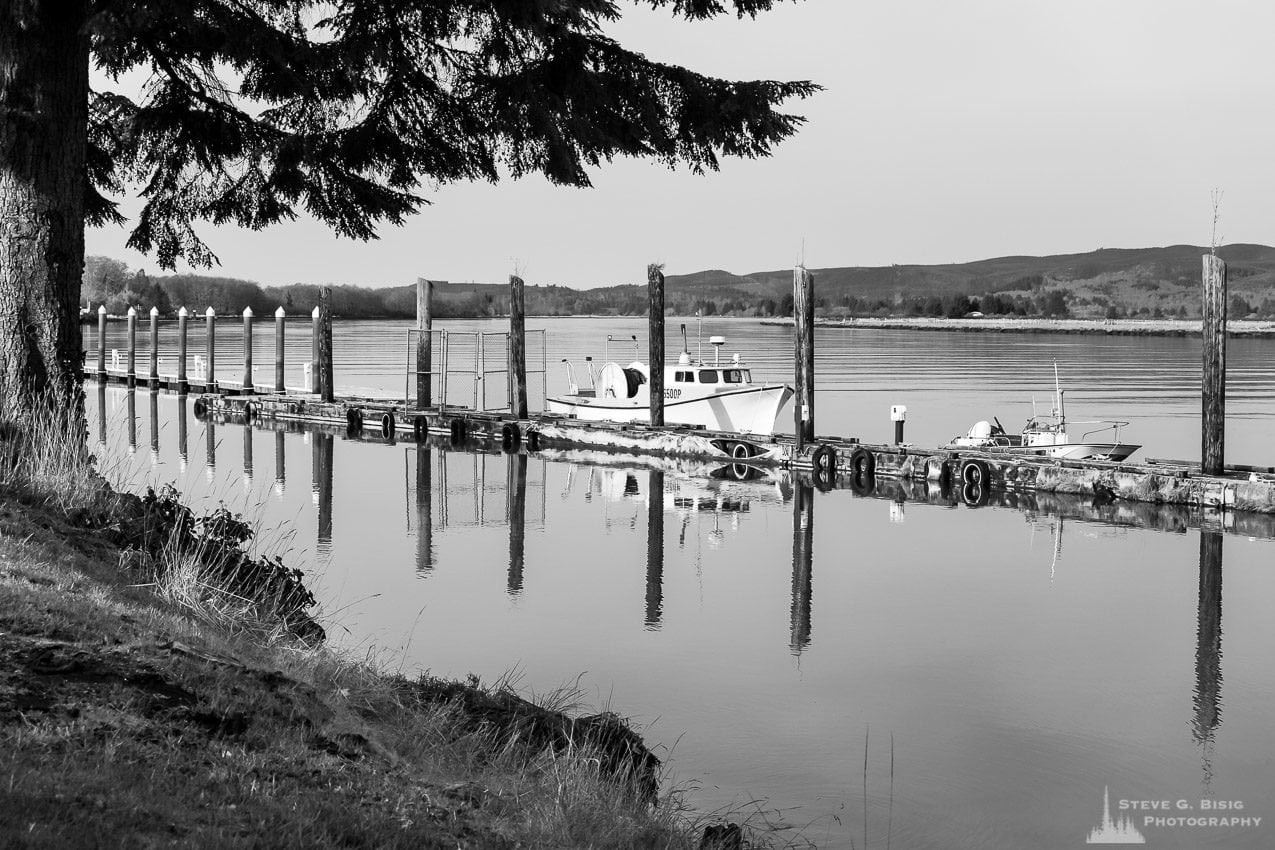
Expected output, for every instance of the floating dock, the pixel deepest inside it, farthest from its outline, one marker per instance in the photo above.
(970, 476)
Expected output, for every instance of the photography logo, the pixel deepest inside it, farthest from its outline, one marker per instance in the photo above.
(1120, 831)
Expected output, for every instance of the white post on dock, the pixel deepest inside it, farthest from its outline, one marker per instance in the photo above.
(154, 375)
(101, 343)
(132, 347)
(183, 316)
(247, 350)
(279, 316)
(314, 354)
(210, 367)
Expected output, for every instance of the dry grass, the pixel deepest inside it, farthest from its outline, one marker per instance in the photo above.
(143, 704)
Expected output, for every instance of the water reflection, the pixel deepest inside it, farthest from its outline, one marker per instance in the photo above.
(654, 549)
(210, 447)
(424, 518)
(803, 535)
(516, 489)
(101, 414)
(1208, 651)
(181, 431)
(280, 467)
(132, 422)
(321, 466)
(247, 455)
(154, 424)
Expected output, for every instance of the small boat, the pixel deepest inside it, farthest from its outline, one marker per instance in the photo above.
(1046, 436)
(717, 396)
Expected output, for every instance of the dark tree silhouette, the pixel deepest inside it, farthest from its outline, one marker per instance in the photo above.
(256, 111)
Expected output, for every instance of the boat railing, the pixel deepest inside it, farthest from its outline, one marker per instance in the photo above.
(1112, 425)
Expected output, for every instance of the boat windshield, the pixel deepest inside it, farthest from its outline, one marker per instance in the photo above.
(736, 376)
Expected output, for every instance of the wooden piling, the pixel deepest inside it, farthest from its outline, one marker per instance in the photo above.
(424, 519)
(315, 332)
(1213, 383)
(326, 390)
(279, 317)
(424, 341)
(1208, 634)
(210, 323)
(655, 344)
(101, 343)
(153, 378)
(132, 347)
(247, 350)
(323, 457)
(803, 310)
(517, 349)
(183, 316)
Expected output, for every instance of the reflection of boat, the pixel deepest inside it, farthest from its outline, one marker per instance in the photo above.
(1046, 435)
(718, 396)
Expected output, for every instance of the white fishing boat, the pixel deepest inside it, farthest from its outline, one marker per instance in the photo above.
(1046, 435)
(717, 396)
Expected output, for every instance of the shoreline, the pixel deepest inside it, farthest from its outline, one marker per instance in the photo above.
(1111, 327)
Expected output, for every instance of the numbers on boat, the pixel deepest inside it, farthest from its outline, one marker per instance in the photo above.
(673, 393)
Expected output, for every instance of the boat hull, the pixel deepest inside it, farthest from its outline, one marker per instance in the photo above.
(751, 410)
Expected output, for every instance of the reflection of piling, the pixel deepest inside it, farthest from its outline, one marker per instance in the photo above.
(101, 413)
(803, 533)
(323, 475)
(1208, 646)
(154, 420)
(516, 488)
(424, 519)
(153, 377)
(132, 347)
(279, 321)
(101, 343)
(517, 349)
(181, 428)
(655, 549)
(210, 449)
(655, 344)
(1213, 385)
(132, 420)
(424, 341)
(326, 390)
(247, 449)
(183, 316)
(210, 324)
(803, 312)
(280, 468)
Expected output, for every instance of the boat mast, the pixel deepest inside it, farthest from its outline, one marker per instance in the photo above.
(1062, 419)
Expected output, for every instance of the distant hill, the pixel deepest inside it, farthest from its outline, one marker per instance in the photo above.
(1107, 283)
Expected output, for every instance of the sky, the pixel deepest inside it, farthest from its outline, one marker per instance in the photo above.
(948, 131)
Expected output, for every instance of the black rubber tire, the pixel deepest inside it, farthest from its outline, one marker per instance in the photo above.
(823, 467)
(351, 421)
(510, 436)
(862, 485)
(249, 412)
(200, 408)
(420, 427)
(458, 431)
(863, 463)
(974, 495)
(387, 424)
(741, 450)
(975, 472)
(533, 441)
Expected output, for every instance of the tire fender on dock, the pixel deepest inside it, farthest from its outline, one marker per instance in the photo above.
(510, 436)
(975, 472)
(862, 463)
(353, 420)
(533, 441)
(823, 467)
(387, 424)
(420, 428)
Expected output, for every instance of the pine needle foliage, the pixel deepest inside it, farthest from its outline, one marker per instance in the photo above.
(256, 111)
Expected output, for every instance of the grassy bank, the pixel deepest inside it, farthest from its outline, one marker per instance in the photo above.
(1018, 324)
(159, 686)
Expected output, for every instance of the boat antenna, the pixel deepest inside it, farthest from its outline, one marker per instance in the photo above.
(685, 350)
(699, 335)
(1059, 394)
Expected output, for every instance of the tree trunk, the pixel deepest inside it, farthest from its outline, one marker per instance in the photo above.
(44, 70)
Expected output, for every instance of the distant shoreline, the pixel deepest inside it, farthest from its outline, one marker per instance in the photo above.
(1111, 327)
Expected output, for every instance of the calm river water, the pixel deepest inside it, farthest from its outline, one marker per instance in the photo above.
(880, 671)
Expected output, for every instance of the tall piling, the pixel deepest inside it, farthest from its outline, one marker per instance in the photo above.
(279, 320)
(655, 343)
(1213, 383)
(183, 385)
(247, 349)
(210, 323)
(101, 343)
(316, 331)
(424, 341)
(132, 347)
(326, 391)
(153, 377)
(803, 313)
(517, 349)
